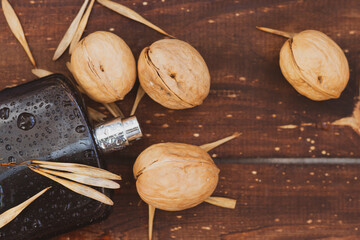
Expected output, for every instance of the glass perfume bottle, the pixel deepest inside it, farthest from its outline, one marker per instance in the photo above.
(46, 120)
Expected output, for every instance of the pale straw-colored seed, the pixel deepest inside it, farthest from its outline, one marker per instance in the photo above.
(289, 126)
(277, 32)
(77, 168)
(91, 181)
(81, 27)
(348, 121)
(151, 220)
(95, 115)
(352, 121)
(78, 188)
(41, 72)
(69, 35)
(222, 202)
(114, 109)
(16, 28)
(10, 214)
(209, 146)
(129, 13)
(139, 95)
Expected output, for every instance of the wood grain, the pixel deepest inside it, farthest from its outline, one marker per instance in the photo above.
(248, 92)
(248, 95)
(273, 202)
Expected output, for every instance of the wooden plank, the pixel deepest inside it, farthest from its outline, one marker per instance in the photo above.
(248, 95)
(248, 91)
(273, 202)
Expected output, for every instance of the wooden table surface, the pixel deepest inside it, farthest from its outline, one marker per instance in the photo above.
(284, 200)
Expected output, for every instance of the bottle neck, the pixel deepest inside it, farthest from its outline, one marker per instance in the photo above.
(117, 133)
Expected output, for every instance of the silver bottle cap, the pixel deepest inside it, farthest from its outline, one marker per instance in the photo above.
(117, 133)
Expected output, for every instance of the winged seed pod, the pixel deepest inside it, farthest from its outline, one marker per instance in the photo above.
(174, 74)
(313, 64)
(104, 66)
(12, 213)
(78, 175)
(16, 28)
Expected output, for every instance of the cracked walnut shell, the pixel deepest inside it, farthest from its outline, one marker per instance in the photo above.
(174, 74)
(175, 176)
(104, 66)
(314, 65)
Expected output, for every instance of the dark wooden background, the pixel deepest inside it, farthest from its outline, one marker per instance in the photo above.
(248, 95)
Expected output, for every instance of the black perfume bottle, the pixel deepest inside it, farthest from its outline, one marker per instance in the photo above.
(46, 120)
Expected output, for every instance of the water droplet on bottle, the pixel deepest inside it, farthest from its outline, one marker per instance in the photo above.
(37, 223)
(23, 229)
(80, 129)
(67, 103)
(48, 130)
(89, 153)
(8, 147)
(76, 113)
(4, 113)
(11, 159)
(26, 121)
(67, 206)
(19, 140)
